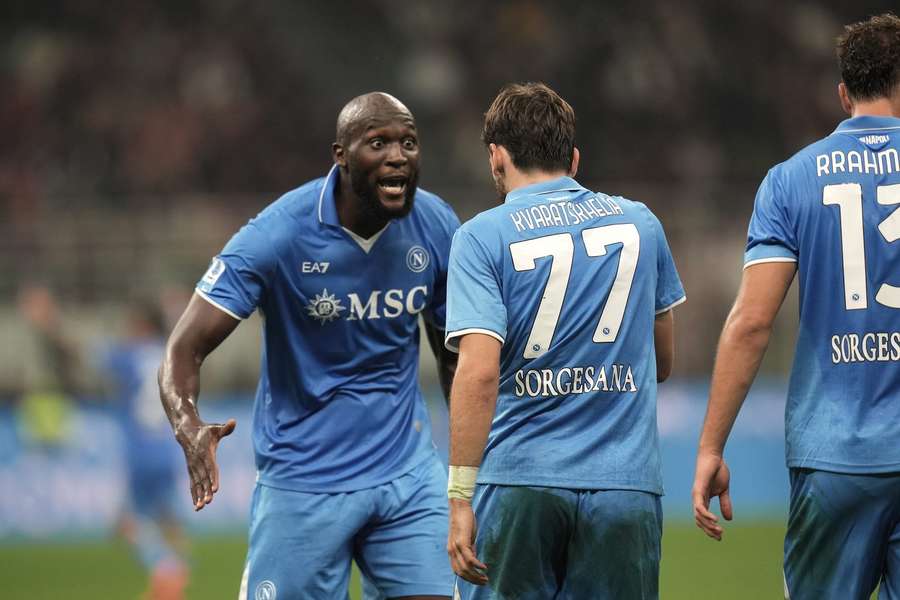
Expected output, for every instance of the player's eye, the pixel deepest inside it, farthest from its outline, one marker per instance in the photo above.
(376, 143)
(410, 143)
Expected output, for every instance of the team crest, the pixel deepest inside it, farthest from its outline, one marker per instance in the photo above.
(265, 591)
(325, 307)
(417, 259)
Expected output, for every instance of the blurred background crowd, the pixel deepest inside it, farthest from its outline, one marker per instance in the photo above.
(136, 137)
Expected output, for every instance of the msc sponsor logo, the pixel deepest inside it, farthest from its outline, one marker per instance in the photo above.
(417, 259)
(325, 307)
(380, 304)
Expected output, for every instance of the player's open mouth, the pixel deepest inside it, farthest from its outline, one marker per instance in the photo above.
(393, 187)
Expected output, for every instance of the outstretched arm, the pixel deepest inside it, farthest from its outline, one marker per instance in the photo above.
(742, 345)
(446, 360)
(198, 332)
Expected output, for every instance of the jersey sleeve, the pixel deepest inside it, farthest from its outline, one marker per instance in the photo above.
(436, 313)
(474, 300)
(238, 276)
(669, 290)
(771, 236)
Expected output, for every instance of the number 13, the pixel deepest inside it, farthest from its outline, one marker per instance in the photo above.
(848, 197)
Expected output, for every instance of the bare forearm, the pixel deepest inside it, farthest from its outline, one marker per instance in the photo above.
(179, 386)
(740, 352)
(471, 412)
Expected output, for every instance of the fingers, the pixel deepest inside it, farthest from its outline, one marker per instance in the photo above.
(704, 518)
(725, 505)
(203, 485)
(466, 564)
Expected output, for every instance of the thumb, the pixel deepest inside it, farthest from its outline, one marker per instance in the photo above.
(725, 505)
(221, 431)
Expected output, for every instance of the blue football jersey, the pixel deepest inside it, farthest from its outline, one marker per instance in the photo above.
(834, 208)
(338, 407)
(570, 281)
(131, 366)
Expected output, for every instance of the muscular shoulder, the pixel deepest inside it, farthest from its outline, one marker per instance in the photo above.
(291, 214)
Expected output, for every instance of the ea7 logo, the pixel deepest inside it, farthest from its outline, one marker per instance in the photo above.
(314, 267)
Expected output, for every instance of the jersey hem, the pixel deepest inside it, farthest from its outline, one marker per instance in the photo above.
(452, 344)
(576, 484)
(681, 300)
(772, 259)
(293, 486)
(821, 465)
(219, 306)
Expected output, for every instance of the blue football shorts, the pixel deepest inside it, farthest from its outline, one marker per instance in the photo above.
(560, 543)
(301, 544)
(843, 536)
(152, 498)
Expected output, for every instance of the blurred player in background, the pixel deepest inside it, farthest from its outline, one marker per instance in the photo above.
(340, 268)
(562, 299)
(832, 211)
(125, 371)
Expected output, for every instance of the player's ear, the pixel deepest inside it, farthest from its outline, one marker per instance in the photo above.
(576, 156)
(495, 159)
(337, 154)
(844, 95)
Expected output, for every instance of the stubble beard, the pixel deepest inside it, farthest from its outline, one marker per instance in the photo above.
(368, 196)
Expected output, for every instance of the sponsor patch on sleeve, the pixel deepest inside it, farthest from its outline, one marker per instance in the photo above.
(215, 270)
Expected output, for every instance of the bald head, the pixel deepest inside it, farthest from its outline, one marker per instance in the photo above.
(360, 112)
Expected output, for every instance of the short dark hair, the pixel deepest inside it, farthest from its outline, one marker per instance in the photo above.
(868, 55)
(534, 124)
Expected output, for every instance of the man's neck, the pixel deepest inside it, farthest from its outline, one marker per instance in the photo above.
(516, 179)
(880, 107)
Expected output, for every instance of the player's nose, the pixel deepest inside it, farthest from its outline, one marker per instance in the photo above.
(395, 156)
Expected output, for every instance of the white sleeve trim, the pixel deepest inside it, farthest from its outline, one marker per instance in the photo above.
(217, 305)
(768, 260)
(452, 335)
(671, 306)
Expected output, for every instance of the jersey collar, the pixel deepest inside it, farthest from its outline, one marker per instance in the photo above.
(561, 184)
(327, 209)
(865, 123)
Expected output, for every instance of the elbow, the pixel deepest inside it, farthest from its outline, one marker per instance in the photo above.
(663, 372)
(749, 327)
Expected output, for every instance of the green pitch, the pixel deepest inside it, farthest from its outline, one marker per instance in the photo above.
(747, 564)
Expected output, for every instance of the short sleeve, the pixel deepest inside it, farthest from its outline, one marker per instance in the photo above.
(669, 290)
(771, 236)
(436, 313)
(474, 299)
(238, 276)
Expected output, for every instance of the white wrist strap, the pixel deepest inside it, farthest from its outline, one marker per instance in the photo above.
(461, 482)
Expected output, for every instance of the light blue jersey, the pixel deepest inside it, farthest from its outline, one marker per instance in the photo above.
(834, 208)
(570, 281)
(338, 407)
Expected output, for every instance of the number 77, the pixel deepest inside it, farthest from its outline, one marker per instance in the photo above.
(560, 248)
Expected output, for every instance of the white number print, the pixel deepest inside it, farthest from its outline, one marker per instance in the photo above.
(560, 248)
(595, 242)
(848, 198)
